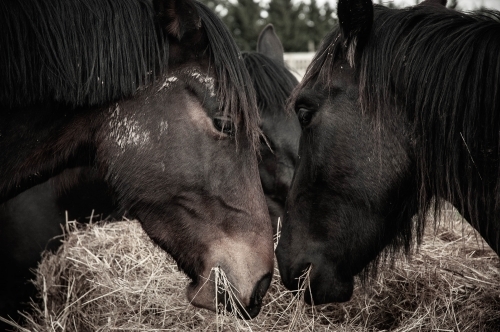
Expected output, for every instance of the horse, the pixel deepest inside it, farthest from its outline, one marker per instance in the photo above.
(274, 83)
(31, 219)
(400, 111)
(154, 97)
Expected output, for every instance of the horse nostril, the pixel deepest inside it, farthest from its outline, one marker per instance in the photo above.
(258, 294)
(253, 308)
(261, 289)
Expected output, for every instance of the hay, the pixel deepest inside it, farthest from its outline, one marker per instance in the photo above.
(110, 277)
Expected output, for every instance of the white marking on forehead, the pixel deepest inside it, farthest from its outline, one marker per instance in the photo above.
(116, 111)
(168, 82)
(126, 131)
(206, 80)
(163, 127)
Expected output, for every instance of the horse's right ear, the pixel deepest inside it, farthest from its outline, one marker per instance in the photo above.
(270, 45)
(355, 21)
(177, 16)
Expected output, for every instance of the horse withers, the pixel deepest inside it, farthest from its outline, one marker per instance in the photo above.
(400, 110)
(153, 97)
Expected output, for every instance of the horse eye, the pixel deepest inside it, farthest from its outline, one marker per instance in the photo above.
(224, 125)
(305, 116)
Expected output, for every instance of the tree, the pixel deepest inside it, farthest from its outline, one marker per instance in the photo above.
(244, 20)
(300, 26)
(289, 22)
(319, 23)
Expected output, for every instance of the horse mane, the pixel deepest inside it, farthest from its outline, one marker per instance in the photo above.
(86, 53)
(440, 69)
(232, 84)
(272, 81)
(76, 52)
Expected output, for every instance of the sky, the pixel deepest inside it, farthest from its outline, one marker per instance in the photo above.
(463, 4)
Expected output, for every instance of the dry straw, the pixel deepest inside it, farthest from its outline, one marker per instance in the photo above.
(110, 277)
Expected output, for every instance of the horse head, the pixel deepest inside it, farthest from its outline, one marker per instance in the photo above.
(354, 191)
(175, 139)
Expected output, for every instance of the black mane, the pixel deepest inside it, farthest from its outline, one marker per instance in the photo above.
(80, 53)
(233, 80)
(273, 83)
(441, 70)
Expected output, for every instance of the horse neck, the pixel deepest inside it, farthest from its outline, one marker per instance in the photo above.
(484, 213)
(38, 143)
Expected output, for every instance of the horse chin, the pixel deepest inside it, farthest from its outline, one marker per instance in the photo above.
(326, 285)
(338, 292)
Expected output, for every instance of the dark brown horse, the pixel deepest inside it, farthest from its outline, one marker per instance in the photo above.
(400, 110)
(31, 219)
(155, 98)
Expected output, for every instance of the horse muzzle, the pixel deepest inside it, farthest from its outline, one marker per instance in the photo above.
(237, 281)
(321, 280)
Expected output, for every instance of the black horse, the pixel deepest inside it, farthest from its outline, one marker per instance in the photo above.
(154, 97)
(274, 83)
(400, 110)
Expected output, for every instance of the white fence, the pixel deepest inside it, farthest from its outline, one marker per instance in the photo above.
(298, 62)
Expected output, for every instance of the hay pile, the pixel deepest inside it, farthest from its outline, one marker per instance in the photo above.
(111, 277)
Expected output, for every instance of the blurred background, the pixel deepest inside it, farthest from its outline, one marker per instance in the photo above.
(300, 24)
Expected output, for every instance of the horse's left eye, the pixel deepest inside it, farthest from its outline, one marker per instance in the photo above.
(305, 116)
(224, 125)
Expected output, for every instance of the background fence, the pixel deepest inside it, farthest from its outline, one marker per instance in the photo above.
(298, 62)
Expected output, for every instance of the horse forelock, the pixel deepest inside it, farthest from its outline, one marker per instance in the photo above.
(272, 81)
(320, 70)
(440, 70)
(233, 84)
(76, 52)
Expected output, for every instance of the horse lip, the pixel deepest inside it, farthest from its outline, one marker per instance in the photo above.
(294, 281)
(339, 297)
(194, 292)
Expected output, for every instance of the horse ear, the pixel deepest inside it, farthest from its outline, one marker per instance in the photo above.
(434, 2)
(270, 45)
(177, 16)
(355, 20)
